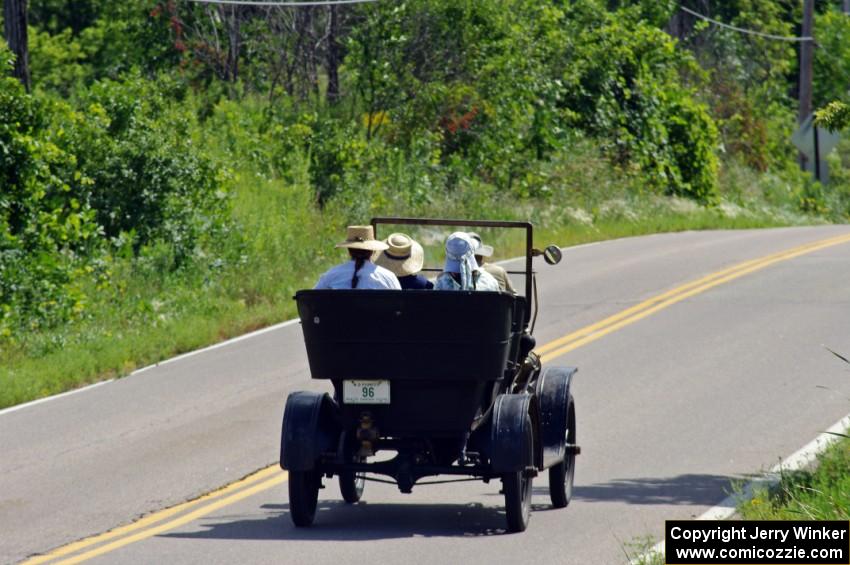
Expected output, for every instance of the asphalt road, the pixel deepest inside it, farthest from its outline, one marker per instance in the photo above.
(671, 410)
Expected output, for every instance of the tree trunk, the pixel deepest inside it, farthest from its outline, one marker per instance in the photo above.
(235, 44)
(333, 57)
(307, 53)
(15, 30)
(681, 24)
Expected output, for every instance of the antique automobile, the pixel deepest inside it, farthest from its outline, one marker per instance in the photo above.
(439, 382)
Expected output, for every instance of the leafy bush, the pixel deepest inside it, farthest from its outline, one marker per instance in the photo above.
(123, 169)
(832, 58)
(530, 75)
(623, 83)
(58, 62)
(47, 229)
(145, 179)
(77, 43)
(834, 116)
(750, 85)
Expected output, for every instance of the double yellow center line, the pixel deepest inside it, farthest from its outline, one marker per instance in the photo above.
(153, 524)
(590, 333)
(264, 479)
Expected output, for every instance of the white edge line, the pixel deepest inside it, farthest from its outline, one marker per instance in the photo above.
(55, 396)
(291, 322)
(225, 343)
(255, 334)
(800, 459)
(272, 328)
(259, 332)
(149, 367)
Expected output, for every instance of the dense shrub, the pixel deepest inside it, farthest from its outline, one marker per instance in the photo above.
(143, 108)
(832, 59)
(751, 80)
(623, 83)
(87, 40)
(58, 62)
(531, 74)
(47, 229)
(147, 180)
(123, 170)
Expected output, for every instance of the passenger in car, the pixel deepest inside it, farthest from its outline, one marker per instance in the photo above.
(482, 253)
(360, 271)
(461, 271)
(404, 257)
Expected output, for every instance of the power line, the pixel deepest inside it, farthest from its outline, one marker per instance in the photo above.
(280, 3)
(747, 31)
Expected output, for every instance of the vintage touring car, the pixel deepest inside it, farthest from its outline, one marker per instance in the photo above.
(445, 381)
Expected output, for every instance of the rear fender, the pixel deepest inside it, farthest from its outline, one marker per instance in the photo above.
(553, 394)
(310, 427)
(508, 451)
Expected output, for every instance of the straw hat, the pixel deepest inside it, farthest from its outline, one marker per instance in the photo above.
(362, 237)
(403, 255)
(480, 248)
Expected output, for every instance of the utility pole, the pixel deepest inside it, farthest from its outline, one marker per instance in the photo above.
(15, 31)
(806, 56)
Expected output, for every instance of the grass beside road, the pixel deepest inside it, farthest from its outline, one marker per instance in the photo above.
(640, 552)
(282, 242)
(821, 493)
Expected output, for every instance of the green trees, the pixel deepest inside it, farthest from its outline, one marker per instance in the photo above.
(145, 177)
(834, 116)
(47, 230)
(502, 87)
(832, 67)
(72, 182)
(624, 83)
(138, 108)
(179, 168)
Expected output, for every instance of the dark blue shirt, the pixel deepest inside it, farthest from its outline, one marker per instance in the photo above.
(415, 282)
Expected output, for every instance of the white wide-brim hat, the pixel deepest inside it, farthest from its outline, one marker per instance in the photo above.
(480, 248)
(403, 256)
(362, 237)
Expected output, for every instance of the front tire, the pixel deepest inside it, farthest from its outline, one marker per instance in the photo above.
(561, 476)
(517, 488)
(351, 485)
(303, 496)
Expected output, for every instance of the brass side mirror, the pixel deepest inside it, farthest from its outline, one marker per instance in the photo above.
(552, 254)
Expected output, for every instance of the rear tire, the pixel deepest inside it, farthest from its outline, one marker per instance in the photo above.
(351, 485)
(561, 476)
(303, 496)
(517, 488)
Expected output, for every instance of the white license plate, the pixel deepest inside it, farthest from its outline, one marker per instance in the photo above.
(366, 392)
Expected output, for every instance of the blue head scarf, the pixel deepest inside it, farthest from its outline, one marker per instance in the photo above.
(460, 258)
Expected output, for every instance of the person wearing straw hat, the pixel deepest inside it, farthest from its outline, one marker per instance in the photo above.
(461, 271)
(482, 252)
(360, 272)
(404, 257)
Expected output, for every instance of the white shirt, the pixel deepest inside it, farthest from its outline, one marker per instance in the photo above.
(370, 275)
